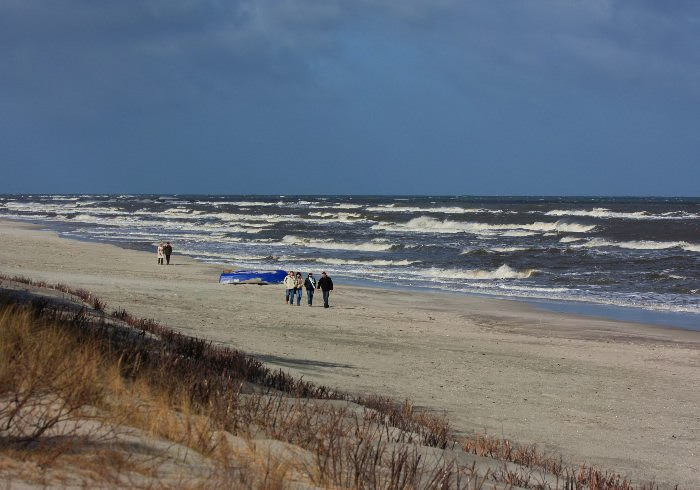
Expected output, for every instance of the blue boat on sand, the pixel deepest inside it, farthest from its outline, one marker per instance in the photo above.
(252, 277)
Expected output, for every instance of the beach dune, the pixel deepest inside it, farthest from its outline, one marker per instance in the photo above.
(621, 396)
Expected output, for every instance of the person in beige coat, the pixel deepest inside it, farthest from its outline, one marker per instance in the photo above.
(289, 285)
(160, 253)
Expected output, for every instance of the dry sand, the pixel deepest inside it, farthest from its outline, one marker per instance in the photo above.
(618, 395)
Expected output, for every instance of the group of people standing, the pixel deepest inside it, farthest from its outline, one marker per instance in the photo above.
(295, 283)
(164, 251)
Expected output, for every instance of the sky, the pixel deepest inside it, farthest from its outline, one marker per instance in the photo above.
(469, 97)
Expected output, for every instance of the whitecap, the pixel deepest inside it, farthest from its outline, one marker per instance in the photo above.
(385, 208)
(331, 244)
(426, 224)
(641, 245)
(569, 239)
(376, 262)
(605, 213)
(502, 272)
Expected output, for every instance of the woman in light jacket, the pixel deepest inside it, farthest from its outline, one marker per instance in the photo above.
(298, 287)
(160, 254)
(289, 283)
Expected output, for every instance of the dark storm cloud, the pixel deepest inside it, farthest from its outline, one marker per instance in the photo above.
(109, 48)
(336, 80)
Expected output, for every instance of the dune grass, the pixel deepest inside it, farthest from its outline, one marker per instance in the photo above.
(79, 385)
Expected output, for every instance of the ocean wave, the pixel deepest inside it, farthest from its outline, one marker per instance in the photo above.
(157, 225)
(426, 224)
(377, 262)
(569, 239)
(55, 197)
(503, 272)
(393, 208)
(340, 217)
(517, 233)
(155, 235)
(480, 251)
(607, 213)
(230, 257)
(237, 203)
(330, 244)
(640, 245)
(38, 207)
(339, 205)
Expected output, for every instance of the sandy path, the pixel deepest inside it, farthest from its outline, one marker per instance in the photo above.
(622, 396)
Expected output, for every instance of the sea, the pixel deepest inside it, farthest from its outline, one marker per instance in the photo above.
(616, 257)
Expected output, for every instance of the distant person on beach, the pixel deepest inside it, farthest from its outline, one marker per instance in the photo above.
(298, 287)
(325, 284)
(160, 253)
(310, 285)
(167, 250)
(289, 283)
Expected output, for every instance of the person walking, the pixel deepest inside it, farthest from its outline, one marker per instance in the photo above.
(325, 284)
(159, 252)
(167, 250)
(298, 287)
(289, 283)
(310, 285)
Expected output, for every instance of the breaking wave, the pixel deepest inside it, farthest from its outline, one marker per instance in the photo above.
(503, 272)
(393, 208)
(426, 224)
(378, 262)
(607, 213)
(641, 245)
(569, 239)
(330, 244)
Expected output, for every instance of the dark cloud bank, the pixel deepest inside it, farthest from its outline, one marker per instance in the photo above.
(497, 97)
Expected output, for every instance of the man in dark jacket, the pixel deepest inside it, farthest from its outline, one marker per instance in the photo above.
(310, 285)
(167, 250)
(325, 284)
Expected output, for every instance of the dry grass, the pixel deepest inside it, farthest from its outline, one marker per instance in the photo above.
(79, 389)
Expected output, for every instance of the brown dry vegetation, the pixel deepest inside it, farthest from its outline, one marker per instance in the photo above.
(95, 399)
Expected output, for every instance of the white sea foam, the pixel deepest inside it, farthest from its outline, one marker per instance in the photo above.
(331, 244)
(426, 224)
(180, 212)
(508, 249)
(224, 256)
(641, 245)
(39, 207)
(503, 272)
(59, 198)
(393, 208)
(691, 247)
(569, 239)
(377, 262)
(138, 221)
(517, 233)
(558, 226)
(339, 205)
(493, 250)
(341, 217)
(237, 203)
(607, 213)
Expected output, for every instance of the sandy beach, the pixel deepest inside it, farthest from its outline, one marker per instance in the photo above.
(618, 395)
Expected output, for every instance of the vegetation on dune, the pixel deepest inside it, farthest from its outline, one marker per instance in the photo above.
(78, 386)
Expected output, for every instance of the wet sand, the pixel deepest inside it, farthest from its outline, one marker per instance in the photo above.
(622, 396)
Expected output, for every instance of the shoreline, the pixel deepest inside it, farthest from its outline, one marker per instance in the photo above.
(587, 309)
(610, 393)
(628, 314)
